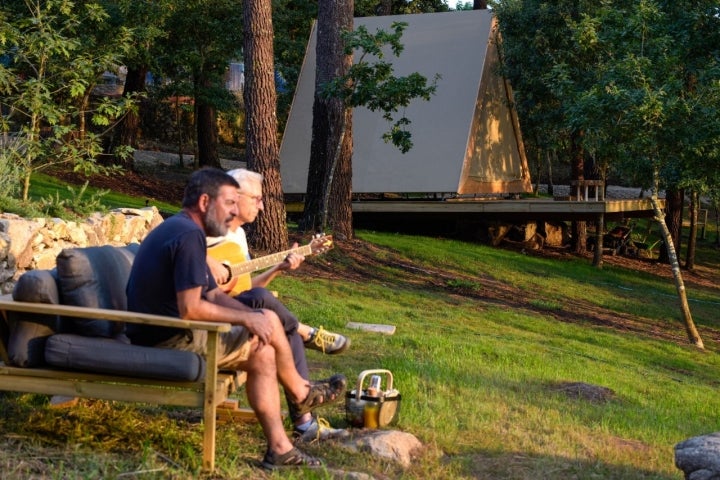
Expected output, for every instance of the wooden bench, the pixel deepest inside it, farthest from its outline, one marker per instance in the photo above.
(209, 393)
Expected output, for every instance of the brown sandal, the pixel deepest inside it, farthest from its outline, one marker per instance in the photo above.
(293, 458)
(322, 393)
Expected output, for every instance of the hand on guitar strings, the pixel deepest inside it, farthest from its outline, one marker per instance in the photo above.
(293, 260)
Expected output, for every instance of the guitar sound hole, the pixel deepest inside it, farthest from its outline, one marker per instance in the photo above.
(227, 267)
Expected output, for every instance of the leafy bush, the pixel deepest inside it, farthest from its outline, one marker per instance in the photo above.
(75, 205)
(18, 207)
(10, 175)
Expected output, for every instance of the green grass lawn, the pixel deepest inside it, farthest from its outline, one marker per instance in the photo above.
(490, 352)
(45, 186)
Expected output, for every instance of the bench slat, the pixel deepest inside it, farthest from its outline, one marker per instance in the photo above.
(94, 377)
(184, 394)
(106, 391)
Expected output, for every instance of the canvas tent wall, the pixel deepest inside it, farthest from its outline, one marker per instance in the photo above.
(466, 138)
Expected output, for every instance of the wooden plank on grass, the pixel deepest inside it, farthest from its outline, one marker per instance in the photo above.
(372, 327)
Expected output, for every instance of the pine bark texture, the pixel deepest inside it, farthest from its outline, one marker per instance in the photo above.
(598, 252)
(579, 228)
(692, 236)
(269, 232)
(207, 136)
(329, 188)
(674, 199)
(130, 124)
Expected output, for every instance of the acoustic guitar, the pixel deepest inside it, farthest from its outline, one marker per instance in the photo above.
(239, 268)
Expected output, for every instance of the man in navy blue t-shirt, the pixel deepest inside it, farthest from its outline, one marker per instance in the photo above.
(170, 276)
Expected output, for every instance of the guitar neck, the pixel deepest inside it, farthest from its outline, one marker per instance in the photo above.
(267, 261)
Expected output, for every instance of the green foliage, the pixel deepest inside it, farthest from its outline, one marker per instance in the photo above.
(200, 41)
(29, 209)
(47, 187)
(75, 204)
(371, 8)
(56, 52)
(463, 5)
(639, 80)
(10, 175)
(292, 20)
(372, 84)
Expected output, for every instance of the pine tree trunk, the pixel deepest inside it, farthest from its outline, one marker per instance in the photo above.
(207, 136)
(551, 186)
(692, 237)
(329, 188)
(269, 232)
(130, 124)
(340, 202)
(598, 253)
(579, 228)
(674, 199)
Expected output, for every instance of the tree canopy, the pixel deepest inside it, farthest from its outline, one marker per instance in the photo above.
(54, 55)
(640, 80)
(635, 84)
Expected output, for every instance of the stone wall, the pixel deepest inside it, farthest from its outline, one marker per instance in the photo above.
(27, 244)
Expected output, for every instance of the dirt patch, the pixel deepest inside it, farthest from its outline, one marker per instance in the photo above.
(584, 391)
(157, 183)
(157, 176)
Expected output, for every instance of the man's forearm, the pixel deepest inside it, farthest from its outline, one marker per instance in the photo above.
(264, 279)
(218, 297)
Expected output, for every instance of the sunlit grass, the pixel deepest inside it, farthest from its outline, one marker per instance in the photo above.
(482, 383)
(480, 379)
(44, 186)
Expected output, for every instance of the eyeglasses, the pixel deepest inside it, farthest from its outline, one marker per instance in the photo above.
(256, 198)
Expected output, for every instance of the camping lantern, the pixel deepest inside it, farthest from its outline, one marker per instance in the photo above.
(372, 406)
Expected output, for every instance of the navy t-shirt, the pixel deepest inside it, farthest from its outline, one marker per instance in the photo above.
(172, 258)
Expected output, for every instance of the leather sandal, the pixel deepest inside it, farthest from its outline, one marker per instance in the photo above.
(322, 392)
(293, 458)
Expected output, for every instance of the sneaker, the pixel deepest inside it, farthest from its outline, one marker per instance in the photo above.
(319, 429)
(327, 342)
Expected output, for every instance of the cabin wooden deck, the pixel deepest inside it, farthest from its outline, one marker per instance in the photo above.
(507, 209)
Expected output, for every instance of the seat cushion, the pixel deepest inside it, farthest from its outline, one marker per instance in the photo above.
(112, 357)
(29, 331)
(95, 277)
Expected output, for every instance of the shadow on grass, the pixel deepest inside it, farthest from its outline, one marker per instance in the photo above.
(523, 466)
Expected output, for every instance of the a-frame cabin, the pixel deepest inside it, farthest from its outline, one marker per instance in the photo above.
(467, 140)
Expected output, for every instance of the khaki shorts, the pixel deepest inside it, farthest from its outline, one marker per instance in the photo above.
(233, 349)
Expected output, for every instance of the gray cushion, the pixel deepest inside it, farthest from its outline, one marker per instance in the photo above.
(108, 356)
(95, 277)
(29, 331)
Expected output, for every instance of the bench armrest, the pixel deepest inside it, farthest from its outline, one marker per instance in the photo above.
(8, 304)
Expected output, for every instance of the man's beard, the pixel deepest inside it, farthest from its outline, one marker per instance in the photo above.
(213, 228)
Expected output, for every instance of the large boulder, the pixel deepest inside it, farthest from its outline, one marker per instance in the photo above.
(699, 457)
(393, 445)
